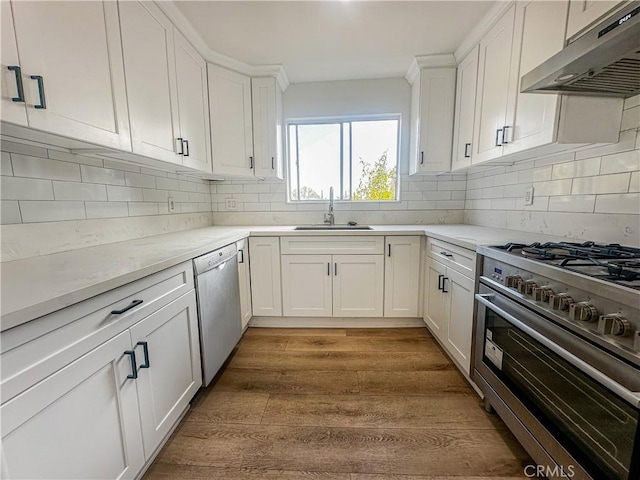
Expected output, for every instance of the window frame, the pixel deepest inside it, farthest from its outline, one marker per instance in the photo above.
(341, 120)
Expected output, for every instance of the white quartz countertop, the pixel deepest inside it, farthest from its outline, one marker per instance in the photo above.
(36, 286)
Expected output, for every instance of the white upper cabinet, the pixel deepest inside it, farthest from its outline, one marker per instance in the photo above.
(147, 37)
(493, 88)
(584, 13)
(402, 276)
(266, 99)
(11, 89)
(193, 105)
(72, 69)
(466, 81)
(231, 122)
(432, 97)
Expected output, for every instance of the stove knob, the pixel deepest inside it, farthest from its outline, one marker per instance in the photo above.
(512, 280)
(542, 294)
(560, 301)
(583, 312)
(636, 341)
(614, 324)
(529, 286)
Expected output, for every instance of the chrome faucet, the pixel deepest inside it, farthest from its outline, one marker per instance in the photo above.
(329, 218)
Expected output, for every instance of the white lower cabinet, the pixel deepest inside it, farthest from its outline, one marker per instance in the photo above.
(307, 286)
(245, 281)
(358, 285)
(266, 291)
(448, 309)
(402, 276)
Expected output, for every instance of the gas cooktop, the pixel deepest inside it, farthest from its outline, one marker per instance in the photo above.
(612, 263)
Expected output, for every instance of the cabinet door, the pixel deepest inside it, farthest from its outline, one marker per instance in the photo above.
(358, 285)
(266, 100)
(538, 35)
(437, 98)
(266, 292)
(193, 105)
(306, 286)
(414, 154)
(460, 290)
(75, 47)
(12, 110)
(79, 423)
(583, 13)
(231, 124)
(147, 38)
(466, 82)
(493, 88)
(402, 276)
(169, 374)
(436, 307)
(245, 281)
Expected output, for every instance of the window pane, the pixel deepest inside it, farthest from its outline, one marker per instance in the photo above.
(374, 159)
(293, 163)
(318, 161)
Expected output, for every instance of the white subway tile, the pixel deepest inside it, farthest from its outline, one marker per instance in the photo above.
(257, 207)
(630, 118)
(506, 179)
(572, 203)
(539, 203)
(141, 209)
(37, 167)
(395, 206)
(280, 187)
(34, 211)
(152, 195)
(153, 171)
(411, 195)
(202, 187)
(139, 180)
(484, 204)
(632, 102)
(73, 158)
(5, 167)
(618, 203)
(366, 206)
(256, 188)
(105, 176)
(183, 197)
(9, 212)
(634, 185)
(617, 183)
(626, 142)
(106, 209)
(512, 191)
(503, 204)
(450, 204)
(493, 192)
(422, 205)
(229, 189)
(437, 195)
(458, 195)
(167, 183)
(453, 185)
(79, 191)
(124, 194)
(541, 174)
(621, 162)
(118, 165)
(249, 197)
(24, 149)
(525, 176)
(288, 207)
(188, 207)
(198, 198)
(473, 194)
(579, 168)
(204, 207)
(15, 188)
(553, 187)
(187, 186)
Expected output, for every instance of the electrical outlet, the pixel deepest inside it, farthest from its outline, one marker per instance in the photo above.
(528, 196)
(231, 203)
(172, 205)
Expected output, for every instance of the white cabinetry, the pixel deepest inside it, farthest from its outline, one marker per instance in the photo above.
(307, 285)
(402, 276)
(13, 109)
(266, 99)
(74, 85)
(91, 391)
(467, 79)
(583, 13)
(358, 285)
(449, 290)
(432, 104)
(266, 292)
(166, 87)
(244, 278)
(231, 122)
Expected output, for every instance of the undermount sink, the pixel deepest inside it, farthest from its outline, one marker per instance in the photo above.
(333, 227)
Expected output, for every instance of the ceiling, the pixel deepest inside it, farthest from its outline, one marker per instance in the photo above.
(333, 40)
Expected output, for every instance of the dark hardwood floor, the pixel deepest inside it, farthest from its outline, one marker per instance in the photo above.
(343, 404)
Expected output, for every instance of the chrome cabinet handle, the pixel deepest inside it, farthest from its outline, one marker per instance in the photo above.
(18, 73)
(181, 143)
(440, 277)
(498, 142)
(145, 350)
(134, 368)
(133, 304)
(186, 147)
(467, 146)
(504, 134)
(43, 101)
(584, 367)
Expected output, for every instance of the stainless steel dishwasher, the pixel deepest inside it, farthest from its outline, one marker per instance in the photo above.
(218, 294)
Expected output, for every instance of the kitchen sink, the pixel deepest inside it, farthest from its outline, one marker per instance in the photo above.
(333, 227)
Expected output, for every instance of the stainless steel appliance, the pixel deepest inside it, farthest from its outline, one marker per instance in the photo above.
(557, 353)
(218, 294)
(605, 61)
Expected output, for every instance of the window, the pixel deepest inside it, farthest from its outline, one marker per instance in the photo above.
(357, 157)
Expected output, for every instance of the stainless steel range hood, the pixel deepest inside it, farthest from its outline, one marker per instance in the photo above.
(604, 62)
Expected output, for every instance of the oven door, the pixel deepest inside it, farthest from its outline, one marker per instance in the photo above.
(538, 365)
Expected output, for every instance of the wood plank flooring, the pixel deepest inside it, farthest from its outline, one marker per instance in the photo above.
(339, 404)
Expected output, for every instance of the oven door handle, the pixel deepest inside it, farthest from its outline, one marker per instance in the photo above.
(632, 397)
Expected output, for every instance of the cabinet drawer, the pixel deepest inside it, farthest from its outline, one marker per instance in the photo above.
(457, 258)
(35, 350)
(338, 245)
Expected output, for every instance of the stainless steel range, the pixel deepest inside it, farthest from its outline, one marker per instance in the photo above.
(557, 353)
